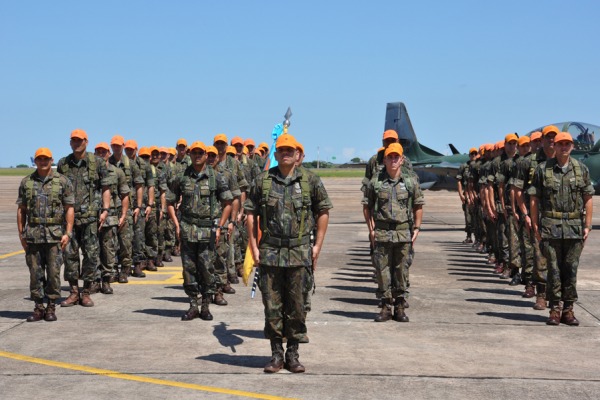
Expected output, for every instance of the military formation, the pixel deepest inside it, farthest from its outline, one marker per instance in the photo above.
(112, 214)
(528, 207)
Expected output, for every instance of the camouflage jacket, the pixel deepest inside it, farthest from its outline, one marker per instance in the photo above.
(391, 203)
(233, 187)
(287, 215)
(503, 176)
(199, 201)
(45, 200)
(259, 161)
(160, 175)
(233, 166)
(249, 168)
(147, 181)
(87, 184)
(375, 166)
(118, 189)
(560, 193)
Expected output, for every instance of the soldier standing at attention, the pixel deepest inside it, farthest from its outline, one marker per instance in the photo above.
(200, 188)
(461, 185)
(393, 204)
(89, 176)
(562, 193)
(288, 204)
(45, 225)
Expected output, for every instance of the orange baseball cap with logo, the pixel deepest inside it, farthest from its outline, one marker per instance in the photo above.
(172, 151)
(198, 145)
(182, 141)
(390, 134)
(102, 145)
(394, 148)
(144, 151)
(79, 134)
(231, 150)
(523, 140)
(563, 136)
(249, 142)
(154, 148)
(472, 150)
(212, 149)
(131, 144)
(164, 150)
(510, 137)
(118, 140)
(221, 137)
(536, 135)
(285, 140)
(548, 129)
(300, 147)
(43, 152)
(237, 140)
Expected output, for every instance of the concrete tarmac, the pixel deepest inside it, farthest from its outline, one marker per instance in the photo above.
(470, 334)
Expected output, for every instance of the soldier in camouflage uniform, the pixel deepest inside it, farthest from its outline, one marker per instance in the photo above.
(91, 184)
(115, 222)
(561, 192)
(288, 205)
(45, 224)
(229, 163)
(143, 201)
(200, 188)
(462, 186)
(253, 154)
(168, 228)
(393, 203)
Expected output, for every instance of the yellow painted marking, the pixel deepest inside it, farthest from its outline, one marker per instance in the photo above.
(136, 378)
(175, 277)
(14, 253)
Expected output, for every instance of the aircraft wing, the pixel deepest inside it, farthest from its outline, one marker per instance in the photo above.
(441, 168)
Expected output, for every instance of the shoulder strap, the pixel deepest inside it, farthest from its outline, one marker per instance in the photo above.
(305, 189)
(212, 187)
(29, 191)
(266, 188)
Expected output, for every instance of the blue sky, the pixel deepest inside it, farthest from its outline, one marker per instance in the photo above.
(469, 72)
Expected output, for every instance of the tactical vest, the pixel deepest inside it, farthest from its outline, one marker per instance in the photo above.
(54, 202)
(188, 216)
(63, 168)
(306, 202)
(409, 186)
(553, 184)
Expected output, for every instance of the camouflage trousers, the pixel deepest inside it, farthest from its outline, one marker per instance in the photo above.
(540, 265)
(139, 238)
(198, 268)
(391, 267)
(241, 242)
(525, 242)
(221, 256)
(85, 237)
(109, 246)
(468, 219)
(480, 229)
(514, 243)
(309, 284)
(503, 255)
(169, 233)
(125, 238)
(151, 236)
(492, 238)
(44, 261)
(562, 256)
(283, 300)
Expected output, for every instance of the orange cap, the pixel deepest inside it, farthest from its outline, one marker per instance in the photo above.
(172, 151)
(144, 151)
(472, 150)
(102, 145)
(182, 141)
(43, 152)
(221, 137)
(548, 129)
(163, 150)
(118, 140)
(212, 149)
(131, 144)
(500, 145)
(245, 150)
(390, 134)
(394, 148)
(237, 140)
(536, 135)
(285, 140)
(198, 145)
(230, 150)
(249, 142)
(510, 137)
(563, 136)
(300, 147)
(523, 140)
(153, 148)
(79, 134)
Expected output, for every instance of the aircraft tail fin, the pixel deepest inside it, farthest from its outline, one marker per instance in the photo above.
(454, 149)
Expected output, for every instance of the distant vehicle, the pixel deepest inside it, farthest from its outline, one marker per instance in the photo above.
(436, 171)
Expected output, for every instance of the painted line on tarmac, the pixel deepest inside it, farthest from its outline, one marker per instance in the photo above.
(14, 253)
(136, 378)
(175, 272)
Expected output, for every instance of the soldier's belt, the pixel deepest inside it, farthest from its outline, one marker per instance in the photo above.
(45, 221)
(562, 215)
(87, 214)
(286, 242)
(391, 226)
(197, 221)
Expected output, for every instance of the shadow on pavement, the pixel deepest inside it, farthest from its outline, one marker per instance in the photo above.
(353, 288)
(162, 313)
(354, 300)
(353, 314)
(503, 302)
(16, 314)
(497, 280)
(238, 361)
(364, 280)
(515, 316)
(173, 299)
(233, 337)
(495, 291)
(482, 274)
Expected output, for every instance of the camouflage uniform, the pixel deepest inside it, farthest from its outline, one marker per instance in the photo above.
(506, 168)
(140, 253)
(108, 234)
(87, 181)
(501, 225)
(490, 227)
(44, 201)
(154, 229)
(462, 176)
(198, 211)
(561, 200)
(287, 217)
(392, 202)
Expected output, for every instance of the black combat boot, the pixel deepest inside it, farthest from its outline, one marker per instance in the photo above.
(193, 312)
(228, 289)
(399, 314)
(86, 299)
(138, 270)
(125, 271)
(204, 309)
(292, 363)
(386, 311)
(218, 298)
(276, 362)
(233, 278)
(167, 256)
(150, 266)
(50, 311)
(73, 298)
(38, 312)
(106, 289)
